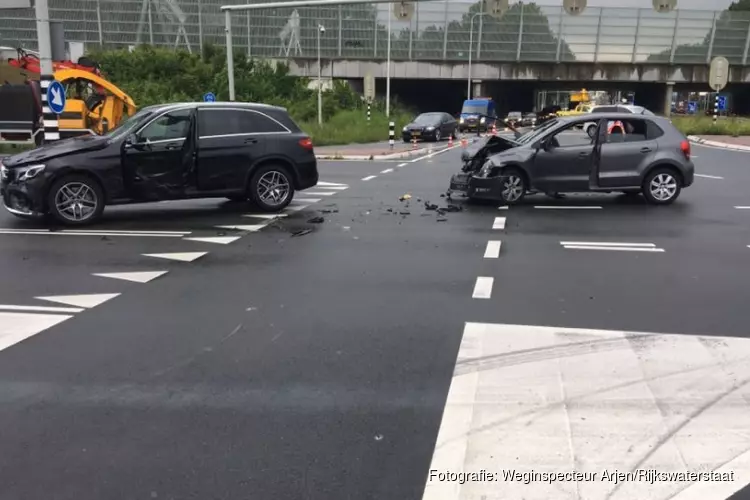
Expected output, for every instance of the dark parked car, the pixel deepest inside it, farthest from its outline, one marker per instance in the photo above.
(430, 126)
(651, 157)
(242, 151)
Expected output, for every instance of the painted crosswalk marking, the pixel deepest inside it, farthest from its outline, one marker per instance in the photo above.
(548, 399)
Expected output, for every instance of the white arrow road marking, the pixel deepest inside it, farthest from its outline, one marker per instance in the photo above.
(138, 277)
(250, 228)
(220, 240)
(15, 327)
(553, 399)
(181, 256)
(85, 300)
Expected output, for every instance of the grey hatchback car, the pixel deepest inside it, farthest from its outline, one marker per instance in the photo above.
(629, 153)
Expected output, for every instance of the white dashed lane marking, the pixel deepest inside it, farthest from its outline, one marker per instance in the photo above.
(622, 247)
(493, 249)
(567, 207)
(387, 171)
(499, 223)
(401, 165)
(709, 176)
(483, 287)
(369, 177)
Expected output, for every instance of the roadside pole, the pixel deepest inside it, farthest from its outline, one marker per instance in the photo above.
(50, 124)
(391, 134)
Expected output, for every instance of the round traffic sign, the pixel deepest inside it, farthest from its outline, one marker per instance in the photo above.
(209, 97)
(56, 97)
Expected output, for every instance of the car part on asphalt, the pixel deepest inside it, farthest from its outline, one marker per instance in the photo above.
(648, 155)
(177, 151)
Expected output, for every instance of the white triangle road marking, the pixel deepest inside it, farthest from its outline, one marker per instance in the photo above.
(85, 300)
(264, 216)
(297, 201)
(221, 240)
(330, 184)
(336, 188)
(181, 256)
(9, 307)
(137, 277)
(16, 327)
(320, 193)
(251, 228)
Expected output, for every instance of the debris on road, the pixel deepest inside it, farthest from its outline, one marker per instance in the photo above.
(316, 220)
(405, 197)
(453, 208)
(330, 211)
(442, 219)
(430, 206)
(404, 212)
(301, 232)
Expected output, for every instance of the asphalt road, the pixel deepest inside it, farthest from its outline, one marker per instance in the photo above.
(349, 361)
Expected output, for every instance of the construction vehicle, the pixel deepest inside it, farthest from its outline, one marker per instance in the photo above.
(93, 104)
(581, 103)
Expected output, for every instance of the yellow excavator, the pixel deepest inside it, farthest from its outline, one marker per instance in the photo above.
(93, 104)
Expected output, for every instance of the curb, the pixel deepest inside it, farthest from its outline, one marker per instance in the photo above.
(716, 144)
(394, 156)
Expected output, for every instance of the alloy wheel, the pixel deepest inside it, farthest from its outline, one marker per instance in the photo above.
(76, 201)
(273, 188)
(663, 187)
(513, 188)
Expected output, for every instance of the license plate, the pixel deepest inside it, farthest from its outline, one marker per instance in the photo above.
(460, 187)
(416, 134)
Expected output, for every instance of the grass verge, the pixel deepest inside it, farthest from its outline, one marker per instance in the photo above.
(704, 125)
(352, 127)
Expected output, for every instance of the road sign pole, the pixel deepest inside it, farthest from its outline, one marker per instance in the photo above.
(716, 107)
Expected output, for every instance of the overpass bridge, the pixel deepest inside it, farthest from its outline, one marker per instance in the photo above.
(609, 46)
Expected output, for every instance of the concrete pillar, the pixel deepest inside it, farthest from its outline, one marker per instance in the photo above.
(478, 89)
(668, 99)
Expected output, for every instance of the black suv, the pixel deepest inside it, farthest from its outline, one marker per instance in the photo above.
(241, 151)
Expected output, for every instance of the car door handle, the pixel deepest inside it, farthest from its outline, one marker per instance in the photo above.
(171, 146)
(583, 155)
(251, 141)
(645, 150)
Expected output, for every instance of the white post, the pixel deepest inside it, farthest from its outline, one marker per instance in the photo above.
(320, 81)
(230, 53)
(388, 69)
(50, 125)
(471, 42)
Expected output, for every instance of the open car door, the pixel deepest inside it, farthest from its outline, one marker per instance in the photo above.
(600, 137)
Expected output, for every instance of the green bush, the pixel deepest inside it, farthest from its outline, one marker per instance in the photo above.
(704, 125)
(153, 75)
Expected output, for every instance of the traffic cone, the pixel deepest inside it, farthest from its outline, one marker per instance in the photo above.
(414, 143)
(450, 141)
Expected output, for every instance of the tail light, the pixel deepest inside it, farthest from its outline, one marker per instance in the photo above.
(685, 148)
(306, 143)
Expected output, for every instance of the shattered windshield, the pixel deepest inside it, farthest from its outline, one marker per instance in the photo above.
(533, 134)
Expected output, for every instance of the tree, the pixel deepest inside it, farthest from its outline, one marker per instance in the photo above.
(728, 41)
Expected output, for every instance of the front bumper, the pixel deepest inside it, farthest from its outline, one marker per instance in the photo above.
(24, 199)
(476, 187)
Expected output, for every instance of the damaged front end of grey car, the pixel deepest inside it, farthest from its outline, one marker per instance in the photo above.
(488, 172)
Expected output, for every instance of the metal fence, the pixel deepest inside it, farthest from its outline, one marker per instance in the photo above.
(437, 31)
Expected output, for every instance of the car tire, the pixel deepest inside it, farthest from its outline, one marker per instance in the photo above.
(662, 186)
(514, 186)
(85, 198)
(268, 178)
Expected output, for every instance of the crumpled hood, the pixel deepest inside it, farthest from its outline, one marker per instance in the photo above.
(471, 151)
(515, 155)
(56, 149)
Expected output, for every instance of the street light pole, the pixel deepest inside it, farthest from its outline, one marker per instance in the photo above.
(321, 30)
(388, 70)
(471, 42)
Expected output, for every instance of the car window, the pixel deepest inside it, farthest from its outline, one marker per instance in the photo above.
(628, 130)
(570, 137)
(218, 122)
(170, 126)
(653, 131)
(532, 135)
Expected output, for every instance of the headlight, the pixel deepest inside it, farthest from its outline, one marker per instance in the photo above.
(486, 169)
(3, 172)
(481, 120)
(460, 120)
(26, 173)
(430, 128)
(404, 129)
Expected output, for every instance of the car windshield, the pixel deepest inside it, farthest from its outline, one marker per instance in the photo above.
(426, 118)
(130, 123)
(533, 134)
(474, 108)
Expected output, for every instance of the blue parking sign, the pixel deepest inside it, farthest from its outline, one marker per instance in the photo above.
(209, 97)
(692, 107)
